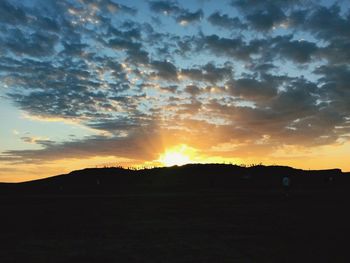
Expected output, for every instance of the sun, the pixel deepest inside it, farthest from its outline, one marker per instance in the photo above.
(178, 155)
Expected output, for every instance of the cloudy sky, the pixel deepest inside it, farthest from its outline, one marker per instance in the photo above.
(86, 83)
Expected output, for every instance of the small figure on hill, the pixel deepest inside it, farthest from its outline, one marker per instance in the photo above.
(286, 185)
(329, 179)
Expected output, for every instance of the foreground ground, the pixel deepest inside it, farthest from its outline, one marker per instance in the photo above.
(173, 227)
(208, 213)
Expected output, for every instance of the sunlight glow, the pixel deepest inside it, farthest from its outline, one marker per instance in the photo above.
(179, 155)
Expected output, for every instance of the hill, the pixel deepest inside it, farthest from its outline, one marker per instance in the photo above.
(192, 213)
(191, 178)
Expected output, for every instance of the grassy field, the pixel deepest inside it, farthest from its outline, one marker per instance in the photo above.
(175, 227)
(196, 213)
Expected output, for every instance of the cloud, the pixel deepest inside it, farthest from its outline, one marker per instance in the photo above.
(336, 52)
(266, 19)
(280, 47)
(141, 143)
(11, 14)
(71, 49)
(165, 7)
(193, 90)
(136, 81)
(327, 23)
(35, 44)
(226, 22)
(252, 89)
(334, 84)
(264, 15)
(181, 15)
(107, 6)
(48, 24)
(208, 73)
(247, 5)
(298, 100)
(187, 17)
(37, 140)
(117, 126)
(233, 47)
(298, 51)
(164, 70)
(67, 89)
(263, 67)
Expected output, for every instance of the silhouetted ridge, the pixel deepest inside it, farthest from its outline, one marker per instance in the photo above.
(187, 178)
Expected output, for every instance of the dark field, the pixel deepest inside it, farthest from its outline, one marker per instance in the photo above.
(246, 222)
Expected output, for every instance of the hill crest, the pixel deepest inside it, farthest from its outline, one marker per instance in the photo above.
(190, 177)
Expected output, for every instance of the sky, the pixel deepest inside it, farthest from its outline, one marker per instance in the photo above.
(88, 83)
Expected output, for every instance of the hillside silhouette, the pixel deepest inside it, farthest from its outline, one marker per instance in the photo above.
(191, 178)
(191, 213)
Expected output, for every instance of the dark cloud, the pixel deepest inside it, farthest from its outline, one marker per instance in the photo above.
(164, 70)
(35, 44)
(171, 88)
(72, 49)
(186, 45)
(35, 140)
(137, 56)
(190, 108)
(300, 51)
(208, 73)
(181, 15)
(224, 21)
(232, 47)
(252, 89)
(336, 52)
(248, 5)
(67, 89)
(165, 7)
(117, 71)
(134, 51)
(328, 23)
(280, 47)
(115, 126)
(262, 67)
(297, 18)
(123, 44)
(265, 15)
(193, 90)
(266, 19)
(132, 33)
(189, 17)
(335, 87)
(133, 146)
(110, 6)
(47, 24)
(11, 14)
(284, 114)
(299, 98)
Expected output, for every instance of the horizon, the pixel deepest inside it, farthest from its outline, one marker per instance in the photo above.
(149, 168)
(159, 83)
